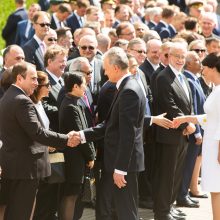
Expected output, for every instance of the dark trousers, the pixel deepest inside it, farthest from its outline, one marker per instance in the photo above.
(168, 175)
(145, 177)
(124, 200)
(192, 153)
(20, 199)
(47, 201)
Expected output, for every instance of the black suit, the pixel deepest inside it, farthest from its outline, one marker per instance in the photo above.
(172, 99)
(33, 54)
(9, 31)
(123, 145)
(73, 23)
(148, 70)
(24, 152)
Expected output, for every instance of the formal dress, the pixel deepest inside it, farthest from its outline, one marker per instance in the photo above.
(211, 124)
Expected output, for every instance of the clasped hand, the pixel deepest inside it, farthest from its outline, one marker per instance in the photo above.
(73, 139)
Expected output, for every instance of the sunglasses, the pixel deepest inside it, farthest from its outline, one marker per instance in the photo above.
(46, 85)
(85, 47)
(52, 39)
(44, 24)
(199, 50)
(140, 51)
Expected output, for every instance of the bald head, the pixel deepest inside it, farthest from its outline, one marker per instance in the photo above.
(13, 54)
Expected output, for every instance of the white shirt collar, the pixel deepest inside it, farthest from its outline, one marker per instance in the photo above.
(175, 71)
(39, 41)
(122, 78)
(153, 65)
(54, 77)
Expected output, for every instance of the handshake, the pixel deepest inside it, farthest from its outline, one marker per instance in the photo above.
(161, 121)
(74, 139)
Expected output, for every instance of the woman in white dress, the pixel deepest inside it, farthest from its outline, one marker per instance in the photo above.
(211, 140)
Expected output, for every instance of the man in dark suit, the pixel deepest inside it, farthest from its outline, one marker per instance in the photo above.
(24, 155)
(9, 31)
(192, 67)
(152, 60)
(123, 154)
(174, 98)
(58, 18)
(76, 20)
(35, 48)
(25, 29)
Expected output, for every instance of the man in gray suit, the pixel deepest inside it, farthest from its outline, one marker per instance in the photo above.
(24, 156)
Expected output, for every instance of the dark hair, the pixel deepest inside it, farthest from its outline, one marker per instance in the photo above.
(41, 78)
(6, 79)
(73, 78)
(211, 60)
(190, 23)
(19, 69)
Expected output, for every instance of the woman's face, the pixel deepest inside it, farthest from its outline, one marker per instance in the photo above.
(44, 88)
(207, 73)
(79, 91)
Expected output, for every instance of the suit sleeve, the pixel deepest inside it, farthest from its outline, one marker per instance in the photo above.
(27, 118)
(129, 113)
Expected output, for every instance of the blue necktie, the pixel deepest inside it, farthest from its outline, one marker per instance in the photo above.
(148, 111)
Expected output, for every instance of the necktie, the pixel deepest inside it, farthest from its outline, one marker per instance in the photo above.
(148, 111)
(60, 82)
(183, 84)
(87, 102)
(43, 47)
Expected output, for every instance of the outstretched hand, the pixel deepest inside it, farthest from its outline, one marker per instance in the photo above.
(161, 121)
(73, 139)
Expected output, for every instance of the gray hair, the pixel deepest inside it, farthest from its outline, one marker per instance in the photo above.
(76, 64)
(135, 41)
(118, 57)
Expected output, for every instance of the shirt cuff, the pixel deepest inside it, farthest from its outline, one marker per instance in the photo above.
(120, 172)
(198, 135)
(151, 119)
(82, 137)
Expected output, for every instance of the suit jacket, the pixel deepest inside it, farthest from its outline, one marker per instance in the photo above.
(25, 141)
(123, 129)
(20, 38)
(72, 117)
(159, 26)
(151, 25)
(99, 79)
(148, 70)
(172, 99)
(9, 31)
(53, 23)
(198, 99)
(44, 4)
(73, 23)
(33, 54)
(50, 103)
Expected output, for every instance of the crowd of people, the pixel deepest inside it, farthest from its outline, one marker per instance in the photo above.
(125, 89)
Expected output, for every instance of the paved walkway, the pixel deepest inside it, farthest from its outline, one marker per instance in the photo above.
(202, 213)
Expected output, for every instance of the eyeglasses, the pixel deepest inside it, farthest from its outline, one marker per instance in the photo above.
(140, 51)
(177, 56)
(199, 50)
(52, 39)
(46, 85)
(44, 24)
(87, 47)
(130, 33)
(87, 73)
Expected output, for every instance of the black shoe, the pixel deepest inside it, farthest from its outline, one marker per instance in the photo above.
(202, 196)
(177, 216)
(177, 212)
(146, 204)
(193, 200)
(187, 203)
(166, 217)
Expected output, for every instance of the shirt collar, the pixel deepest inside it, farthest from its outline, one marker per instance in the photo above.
(54, 77)
(192, 75)
(175, 71)
(122, 78)
(39, 41)
(153, 65)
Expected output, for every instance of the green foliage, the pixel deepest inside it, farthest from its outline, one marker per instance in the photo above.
(7, 7)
